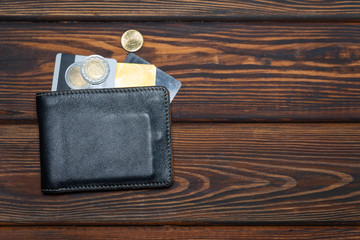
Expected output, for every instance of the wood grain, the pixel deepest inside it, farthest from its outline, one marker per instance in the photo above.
(232, 72)
(180, 232)
(204, 10)
(224, 174)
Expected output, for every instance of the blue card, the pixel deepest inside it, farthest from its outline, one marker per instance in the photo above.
(162, 78)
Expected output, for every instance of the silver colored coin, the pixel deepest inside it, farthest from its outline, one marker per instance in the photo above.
(95, 69)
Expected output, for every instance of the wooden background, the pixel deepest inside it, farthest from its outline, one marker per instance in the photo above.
(266, 130)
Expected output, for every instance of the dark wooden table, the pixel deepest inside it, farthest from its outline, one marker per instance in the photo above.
(266, 130)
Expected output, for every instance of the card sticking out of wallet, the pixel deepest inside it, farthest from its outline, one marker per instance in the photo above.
(62, 63)
(162, 78)
(134, 75)
(93, 72)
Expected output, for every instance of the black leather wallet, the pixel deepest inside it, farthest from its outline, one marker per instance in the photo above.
(104, 139)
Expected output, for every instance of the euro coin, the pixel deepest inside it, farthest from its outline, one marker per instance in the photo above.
(73, 77)
(95, 69)
(132, 40)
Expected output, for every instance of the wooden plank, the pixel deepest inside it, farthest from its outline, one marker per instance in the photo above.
(180, 10)
(177, 232)
(236, 72)
(224, 174)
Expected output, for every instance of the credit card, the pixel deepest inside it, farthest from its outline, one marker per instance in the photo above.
(162, 78)
(134, 75)
(63, 61)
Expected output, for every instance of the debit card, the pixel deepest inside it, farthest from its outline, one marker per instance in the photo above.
(162, 78)
(134, 75)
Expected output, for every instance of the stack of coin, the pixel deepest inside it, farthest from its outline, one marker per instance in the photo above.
(93, 70)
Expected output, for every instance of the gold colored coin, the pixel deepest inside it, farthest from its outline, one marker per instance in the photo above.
(75, 77)
(132, 40)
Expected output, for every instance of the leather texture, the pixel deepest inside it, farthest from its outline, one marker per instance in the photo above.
(104, 139)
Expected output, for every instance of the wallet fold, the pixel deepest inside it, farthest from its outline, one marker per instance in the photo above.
(104, 139)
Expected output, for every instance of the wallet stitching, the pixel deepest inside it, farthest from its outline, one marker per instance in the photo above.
(112, 186)
(92, 91)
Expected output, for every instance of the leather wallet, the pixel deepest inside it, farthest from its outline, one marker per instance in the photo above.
(104, 139)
